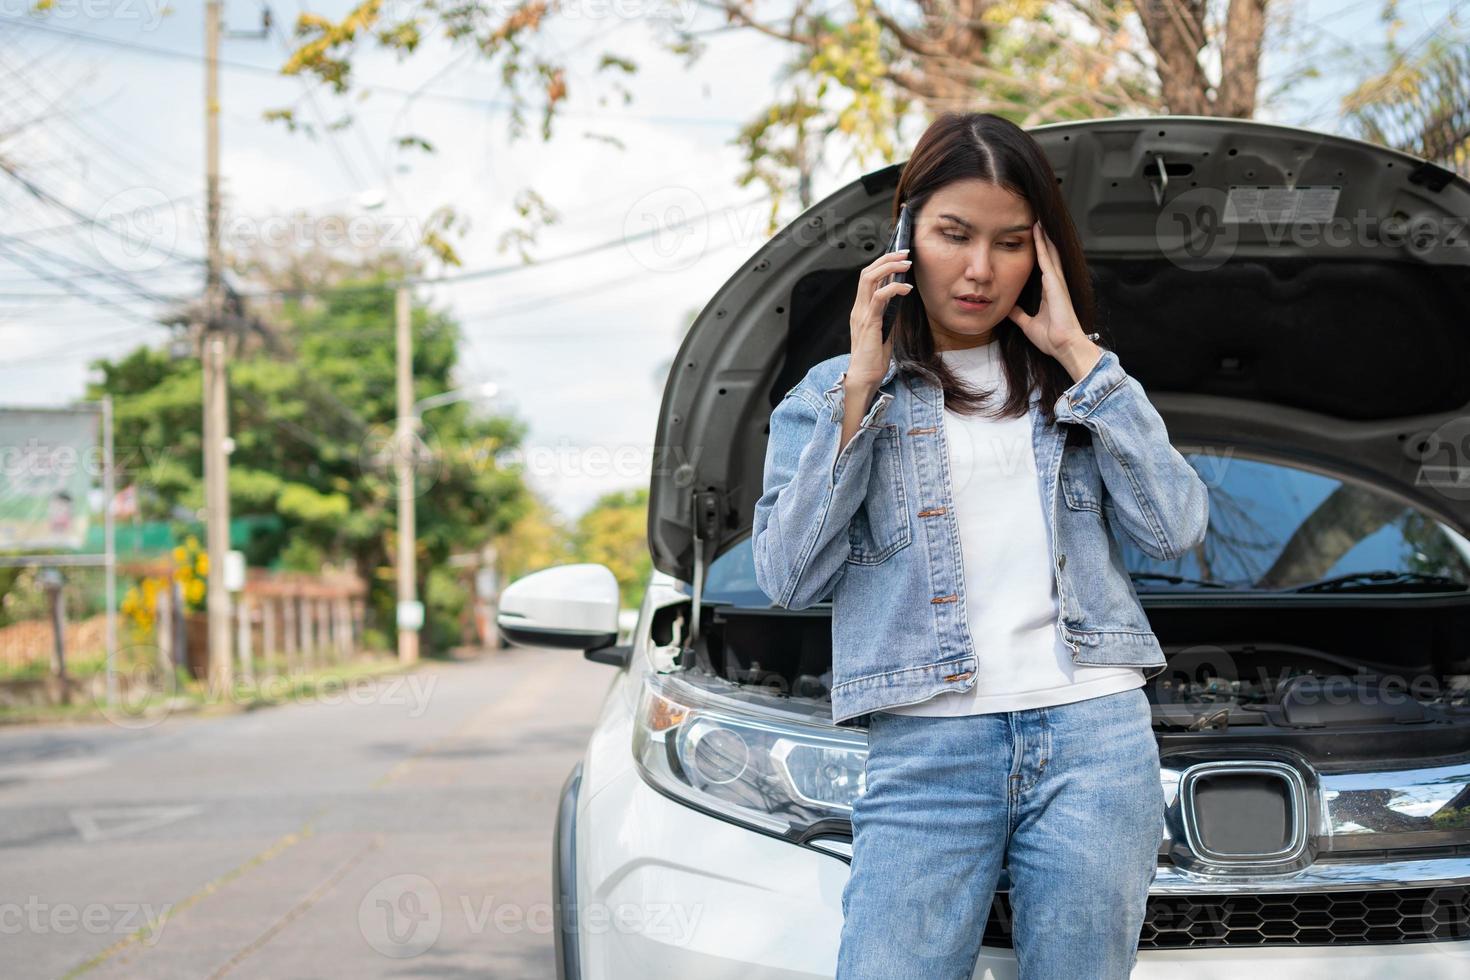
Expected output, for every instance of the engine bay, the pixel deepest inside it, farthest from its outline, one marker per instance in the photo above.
(1337, 678)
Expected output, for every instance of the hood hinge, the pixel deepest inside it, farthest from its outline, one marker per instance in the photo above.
(1162, 184)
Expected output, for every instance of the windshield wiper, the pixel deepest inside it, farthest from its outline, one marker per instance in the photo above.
(1384, 580)
(1175, 579)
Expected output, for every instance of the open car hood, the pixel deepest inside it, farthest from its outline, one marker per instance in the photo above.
(1343, 347)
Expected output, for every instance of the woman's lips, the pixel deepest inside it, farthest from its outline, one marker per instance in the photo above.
(965, 304)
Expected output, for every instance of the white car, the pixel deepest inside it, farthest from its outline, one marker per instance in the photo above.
(1316, 377)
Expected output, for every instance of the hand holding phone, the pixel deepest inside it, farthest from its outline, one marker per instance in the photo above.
(903, 237)
(883, 281)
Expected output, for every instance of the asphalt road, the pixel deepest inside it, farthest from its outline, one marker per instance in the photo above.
(402, 828)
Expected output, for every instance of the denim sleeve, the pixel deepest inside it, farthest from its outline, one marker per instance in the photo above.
(1160, 500)
(810, 493)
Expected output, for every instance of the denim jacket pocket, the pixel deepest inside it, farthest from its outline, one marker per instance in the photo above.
(1081, 480)
(880, 527)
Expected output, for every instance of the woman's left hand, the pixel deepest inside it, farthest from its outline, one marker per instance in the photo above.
(1054, 328)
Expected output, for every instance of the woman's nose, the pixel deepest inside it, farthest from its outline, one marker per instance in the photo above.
(978, 268)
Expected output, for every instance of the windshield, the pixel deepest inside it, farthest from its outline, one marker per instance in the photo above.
(1272, 527)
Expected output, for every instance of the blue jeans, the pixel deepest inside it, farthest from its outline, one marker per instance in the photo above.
(1069, 795)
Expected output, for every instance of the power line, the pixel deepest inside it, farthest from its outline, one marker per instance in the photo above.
(424, 280)
(301, 433)
(71, 287)
(310, 96)
(606, 286)
(445, 97)
(52, 317)
(128, 284)
(384, 171)
(45, 196)
(494, 271)
(1396, 62)
(491, 272)
(74, 225)
(315, 384)
(35, 297)
(469, 276)
(143, 146)
(68, 351)
(135, 276)
(111, 151)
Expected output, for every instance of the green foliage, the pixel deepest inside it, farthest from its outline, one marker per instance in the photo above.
(254, 491)
(1419, 103)
(308, 506)
(445, 599)
(300, 555)
(306, 424)
(614, 532)
(537, 539)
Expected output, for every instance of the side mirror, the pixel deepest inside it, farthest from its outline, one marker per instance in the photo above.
(574, 607)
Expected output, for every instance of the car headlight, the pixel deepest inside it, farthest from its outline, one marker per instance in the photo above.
(788, 779)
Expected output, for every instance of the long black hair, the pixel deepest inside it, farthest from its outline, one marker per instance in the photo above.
(964, 146)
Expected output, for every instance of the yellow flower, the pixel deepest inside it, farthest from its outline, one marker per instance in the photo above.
(194, 591)
(202, 565)
(180, 555)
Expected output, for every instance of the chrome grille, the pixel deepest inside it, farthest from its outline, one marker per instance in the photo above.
(1317, 918)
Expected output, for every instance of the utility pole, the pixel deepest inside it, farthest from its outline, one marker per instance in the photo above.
(409, 618)
(213, 353)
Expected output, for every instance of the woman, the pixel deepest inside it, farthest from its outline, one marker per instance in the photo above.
(1009, 725)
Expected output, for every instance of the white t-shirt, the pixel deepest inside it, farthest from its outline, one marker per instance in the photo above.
(1010, 587)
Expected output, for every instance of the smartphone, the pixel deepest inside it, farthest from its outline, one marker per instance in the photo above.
(903, 237)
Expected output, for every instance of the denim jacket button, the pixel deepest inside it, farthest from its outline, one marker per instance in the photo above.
(1061, 561)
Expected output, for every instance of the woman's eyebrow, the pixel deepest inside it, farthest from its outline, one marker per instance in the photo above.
(1004, 231)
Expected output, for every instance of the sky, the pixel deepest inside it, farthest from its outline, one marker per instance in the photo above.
(577, 347)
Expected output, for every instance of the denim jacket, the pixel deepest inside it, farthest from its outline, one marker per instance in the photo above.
(873, 526)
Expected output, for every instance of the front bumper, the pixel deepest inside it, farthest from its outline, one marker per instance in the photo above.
(661, 889)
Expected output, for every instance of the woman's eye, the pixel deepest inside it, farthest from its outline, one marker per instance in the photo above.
(1013, 246)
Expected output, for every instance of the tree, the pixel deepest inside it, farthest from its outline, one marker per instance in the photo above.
(1183, 39)
(614, 532)
(310, 413)
(857, 73)
(1419, 103)
(538, 539)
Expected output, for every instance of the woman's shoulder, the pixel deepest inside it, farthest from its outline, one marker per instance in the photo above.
(826, 373)
(820, 378)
